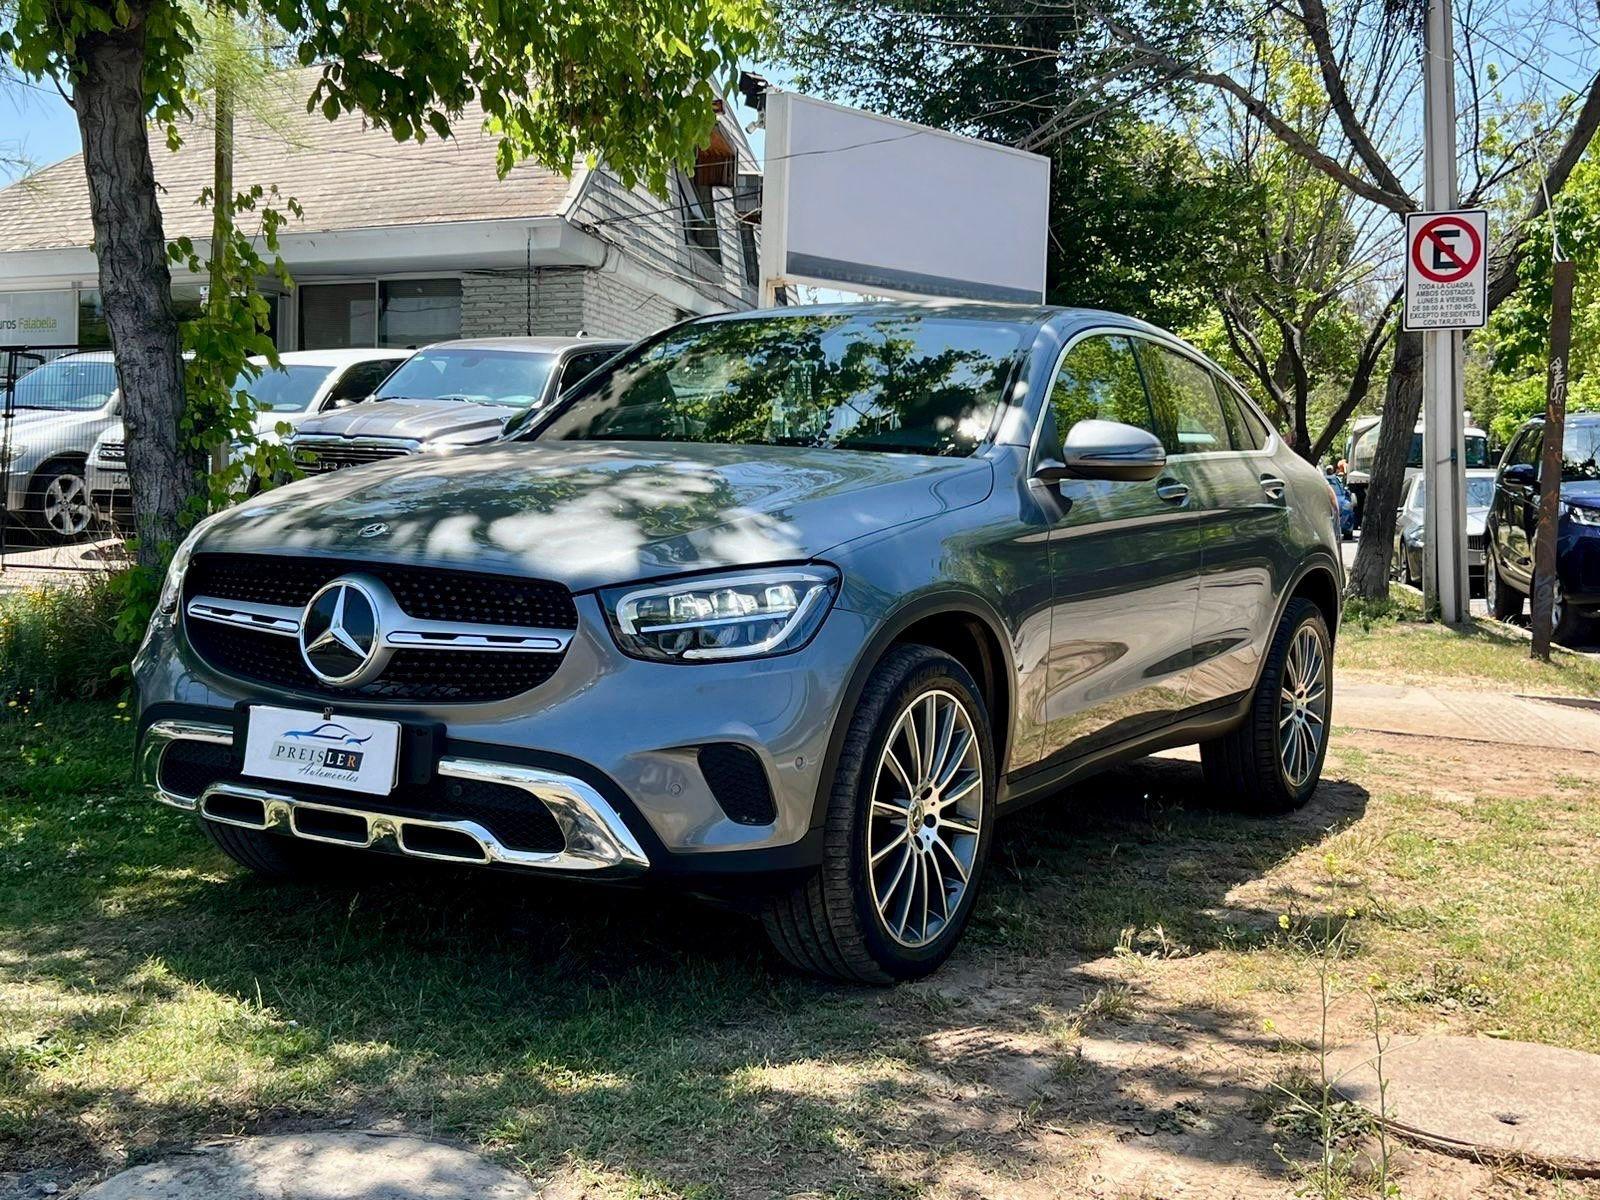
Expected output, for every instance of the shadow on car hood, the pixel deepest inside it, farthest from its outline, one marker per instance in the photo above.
(590, 514)
(419, 419)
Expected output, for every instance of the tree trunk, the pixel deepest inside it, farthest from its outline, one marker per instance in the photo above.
(1402, 402)
(135, 286)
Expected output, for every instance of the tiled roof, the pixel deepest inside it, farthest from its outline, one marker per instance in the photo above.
(346, 175)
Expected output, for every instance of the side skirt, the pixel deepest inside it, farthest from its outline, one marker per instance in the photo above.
(1021, 789)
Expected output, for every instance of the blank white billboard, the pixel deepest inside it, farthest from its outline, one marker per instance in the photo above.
(865, 203)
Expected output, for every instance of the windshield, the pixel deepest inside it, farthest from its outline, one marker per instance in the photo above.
(1477, 448)
(515, 378)
(851, 381)
(1580, 450)
(286, 389)
(67, 384)
(1480, 492)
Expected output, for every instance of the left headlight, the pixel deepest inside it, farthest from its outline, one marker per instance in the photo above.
(745, 614)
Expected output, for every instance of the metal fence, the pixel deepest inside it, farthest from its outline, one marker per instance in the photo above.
(63, 477)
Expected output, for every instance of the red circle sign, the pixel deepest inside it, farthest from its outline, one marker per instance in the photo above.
(1460, 265)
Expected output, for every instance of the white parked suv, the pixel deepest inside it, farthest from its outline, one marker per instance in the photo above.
(58, 410)
(305, 383)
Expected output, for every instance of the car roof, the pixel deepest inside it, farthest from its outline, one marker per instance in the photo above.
(976, 310)
(343, 357)
(532, 345)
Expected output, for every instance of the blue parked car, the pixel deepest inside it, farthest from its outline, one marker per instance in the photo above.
(1347, 505)
(1514, 516)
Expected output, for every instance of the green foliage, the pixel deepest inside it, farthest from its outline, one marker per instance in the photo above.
(1518, 337)
(60, 642)
(633, 82)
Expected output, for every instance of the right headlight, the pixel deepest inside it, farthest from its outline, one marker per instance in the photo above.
(743, 614)
(1582, 515)
(172, 585)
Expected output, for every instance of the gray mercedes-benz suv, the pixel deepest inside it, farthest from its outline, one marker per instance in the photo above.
(789, 605)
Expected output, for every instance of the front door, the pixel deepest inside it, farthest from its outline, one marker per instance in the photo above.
(1124, 562)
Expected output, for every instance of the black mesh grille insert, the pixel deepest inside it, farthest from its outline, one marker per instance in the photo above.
(431, 593)
(421, 675)
(520, 821)
(189, 767)
(738, 782)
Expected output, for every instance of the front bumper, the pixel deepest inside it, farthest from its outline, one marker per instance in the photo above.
(626, 733)
(594, 835)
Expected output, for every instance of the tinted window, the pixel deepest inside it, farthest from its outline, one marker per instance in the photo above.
(1099, 379)
(1185, 402)
(887, 381)
(580, 365)
(512, 377)
(361, 380)
(1580, 452)
(67, 384)
(1525, 449)
(1244, 427)
(1477, 450)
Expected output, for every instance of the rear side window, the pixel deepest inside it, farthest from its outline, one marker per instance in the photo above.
(1099, 380)
(1526, 449)
(1188, 412)
(1247, 430)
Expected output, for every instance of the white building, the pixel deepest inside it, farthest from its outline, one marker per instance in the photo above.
(405, 243)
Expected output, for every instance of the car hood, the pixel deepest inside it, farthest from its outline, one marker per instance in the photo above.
(43, 421)
(591, 514)
(421, 420)
(1585, 493)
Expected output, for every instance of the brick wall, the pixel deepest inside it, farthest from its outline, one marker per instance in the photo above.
(566, 300)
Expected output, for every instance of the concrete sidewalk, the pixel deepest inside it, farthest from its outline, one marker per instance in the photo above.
(1470, 716)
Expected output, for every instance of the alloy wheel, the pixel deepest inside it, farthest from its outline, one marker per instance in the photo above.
(1302, 706)
(66, 505)
(925, 816)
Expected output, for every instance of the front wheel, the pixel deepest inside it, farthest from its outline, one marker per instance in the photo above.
(1271, 763)
(907, 831)
(61, 507)
(1504, 601)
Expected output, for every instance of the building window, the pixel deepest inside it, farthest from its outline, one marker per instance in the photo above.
(336, 315)
(700, 218)
(93, 333)
(751, 252)
(414, 312)
(391, 312)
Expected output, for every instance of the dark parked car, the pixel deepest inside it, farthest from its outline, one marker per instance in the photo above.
(787, 604)
(1514, 519)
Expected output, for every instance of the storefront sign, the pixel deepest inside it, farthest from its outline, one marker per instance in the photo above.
(38, 318)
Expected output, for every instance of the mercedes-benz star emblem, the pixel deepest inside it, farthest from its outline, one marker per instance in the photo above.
(340, 637)
(376, 529)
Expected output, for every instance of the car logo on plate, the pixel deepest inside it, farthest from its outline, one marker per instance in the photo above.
(341, 635)
(376, 529)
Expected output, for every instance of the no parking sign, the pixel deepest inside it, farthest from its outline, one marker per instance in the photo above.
(1446, 270)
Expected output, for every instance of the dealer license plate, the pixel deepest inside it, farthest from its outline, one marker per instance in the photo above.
(353, 753)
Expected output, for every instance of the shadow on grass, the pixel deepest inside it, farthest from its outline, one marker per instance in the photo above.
(638, 1030)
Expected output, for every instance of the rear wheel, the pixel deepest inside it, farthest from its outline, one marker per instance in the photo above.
(1271, 763)
(908, 828)
(1504, 601)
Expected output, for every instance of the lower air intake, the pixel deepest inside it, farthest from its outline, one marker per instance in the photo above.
(738, 782)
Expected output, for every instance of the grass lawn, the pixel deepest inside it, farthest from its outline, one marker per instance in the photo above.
(635, 1044)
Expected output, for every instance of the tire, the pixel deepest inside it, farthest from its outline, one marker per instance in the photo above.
(1246, 769)
(281, 859)
(1407, 575)
(1504, 601)
(58, 502)
(1565, 623)
(833, 923)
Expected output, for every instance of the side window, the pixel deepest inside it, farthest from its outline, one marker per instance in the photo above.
(1099, 380)
(1248, 430)
(1526, 450)
(580, 365)
(1187, 410)
(361, 380)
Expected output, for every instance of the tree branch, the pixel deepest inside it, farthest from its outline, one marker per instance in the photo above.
(1383, 327)
(1286, 133)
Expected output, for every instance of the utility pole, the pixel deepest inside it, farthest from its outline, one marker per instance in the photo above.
(1443, 437)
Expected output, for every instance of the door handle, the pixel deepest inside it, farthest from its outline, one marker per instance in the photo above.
(1273, 487)
(1172, 491)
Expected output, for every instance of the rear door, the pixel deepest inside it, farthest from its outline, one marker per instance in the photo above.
(1124, 557)
(1219, 448)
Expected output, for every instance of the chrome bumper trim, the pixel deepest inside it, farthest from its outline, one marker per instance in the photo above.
(596, 836)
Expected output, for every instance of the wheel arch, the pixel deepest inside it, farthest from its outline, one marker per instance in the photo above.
(38, 476)
(963, 625)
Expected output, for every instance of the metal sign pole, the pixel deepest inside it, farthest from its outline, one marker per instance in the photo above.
(1443, 437)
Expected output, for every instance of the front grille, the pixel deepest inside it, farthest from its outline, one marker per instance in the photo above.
(517, 820)
(1475, 541)
(737, 782)
(319, 457)
(113, 452)
(417, 674)
(432, 593)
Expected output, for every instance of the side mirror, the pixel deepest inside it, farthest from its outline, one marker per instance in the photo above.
(1521, 474)
(1106, 450)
